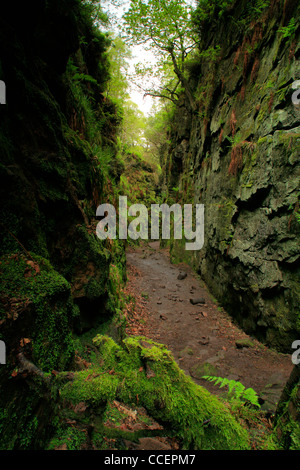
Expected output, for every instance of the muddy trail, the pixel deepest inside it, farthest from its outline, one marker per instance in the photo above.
(202, 337)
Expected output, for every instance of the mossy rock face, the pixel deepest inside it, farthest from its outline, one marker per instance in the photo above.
(189, 412)
(286, 434)
(51, 181)
(238, 156)
(36, 304)
(36, 315)
(55, 132)
(86, 264)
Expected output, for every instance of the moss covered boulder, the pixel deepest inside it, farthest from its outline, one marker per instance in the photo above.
(36, 304)
(36, 317)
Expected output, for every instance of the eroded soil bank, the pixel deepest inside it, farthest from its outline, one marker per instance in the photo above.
(202, 337)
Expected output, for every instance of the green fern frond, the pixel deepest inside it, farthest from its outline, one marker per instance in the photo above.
(236, 390)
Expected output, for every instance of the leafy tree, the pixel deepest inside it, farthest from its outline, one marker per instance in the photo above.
(210, 9)
(95, 12)
(118, 56)
(156, 130)
(164, 26)
(132, 127)
(133, 120)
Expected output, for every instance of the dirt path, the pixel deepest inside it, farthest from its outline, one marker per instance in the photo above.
(202, 337)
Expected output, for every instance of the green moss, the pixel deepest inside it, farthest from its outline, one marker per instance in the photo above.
(87, 261)
(168, 395)
(69, 438)
(178, 251)
(18, 422)
(30, 284)
(286, 433)
(52, 131)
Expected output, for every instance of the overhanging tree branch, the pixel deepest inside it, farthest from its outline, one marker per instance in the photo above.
(182, 79)
(161, 95)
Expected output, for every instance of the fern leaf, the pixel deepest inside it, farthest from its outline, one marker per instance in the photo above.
(251, 396)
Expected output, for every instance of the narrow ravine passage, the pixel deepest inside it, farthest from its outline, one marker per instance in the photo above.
(104, 343)
(202, 337)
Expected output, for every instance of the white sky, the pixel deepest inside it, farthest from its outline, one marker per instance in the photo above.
(145, 103)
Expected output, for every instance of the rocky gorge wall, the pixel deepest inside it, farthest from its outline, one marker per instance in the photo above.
(238, 154)
(57, 279)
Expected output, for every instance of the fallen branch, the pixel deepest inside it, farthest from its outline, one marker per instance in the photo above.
(31, 369)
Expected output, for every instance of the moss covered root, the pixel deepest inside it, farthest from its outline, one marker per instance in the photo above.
(142, 372)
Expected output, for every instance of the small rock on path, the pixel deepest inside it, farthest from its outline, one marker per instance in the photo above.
(202, 337)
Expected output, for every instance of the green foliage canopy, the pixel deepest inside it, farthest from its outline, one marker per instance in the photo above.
(161, 24)
(118, 55)
(164, 27)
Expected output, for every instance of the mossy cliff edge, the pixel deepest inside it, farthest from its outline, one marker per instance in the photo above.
(59, 283)
(57, 277)
(237, 153)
